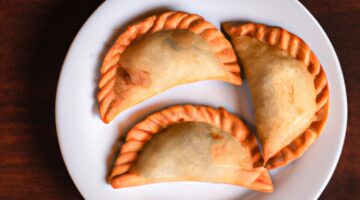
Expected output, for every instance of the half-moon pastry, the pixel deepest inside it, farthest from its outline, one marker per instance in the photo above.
(159, 53)
(288, 86)
(191, 143)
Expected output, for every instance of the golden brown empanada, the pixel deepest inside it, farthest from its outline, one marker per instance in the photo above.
(161, 52)
(288, 86)
(191, 143)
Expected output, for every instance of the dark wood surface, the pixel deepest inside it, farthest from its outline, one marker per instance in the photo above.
(34, 38)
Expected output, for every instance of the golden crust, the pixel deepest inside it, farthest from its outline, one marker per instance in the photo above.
(220, 118)
(297, 48)
(107, 98)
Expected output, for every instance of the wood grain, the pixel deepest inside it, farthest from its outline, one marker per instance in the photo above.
(34, 38)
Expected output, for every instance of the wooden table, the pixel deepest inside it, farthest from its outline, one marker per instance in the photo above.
(34, 38)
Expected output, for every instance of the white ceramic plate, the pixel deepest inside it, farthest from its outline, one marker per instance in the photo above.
(87, 143)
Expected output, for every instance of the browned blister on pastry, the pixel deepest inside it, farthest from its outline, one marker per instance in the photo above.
(159, 53)
(191, 143)
(288, 86)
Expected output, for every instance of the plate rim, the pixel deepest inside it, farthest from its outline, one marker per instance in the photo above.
(345, 102)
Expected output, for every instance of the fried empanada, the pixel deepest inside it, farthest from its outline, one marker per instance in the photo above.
(159, 53)
(191, 143)
(288, 86)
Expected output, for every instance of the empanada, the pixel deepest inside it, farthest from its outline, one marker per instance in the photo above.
(288, 86)
(161, 52)
(191, 143)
